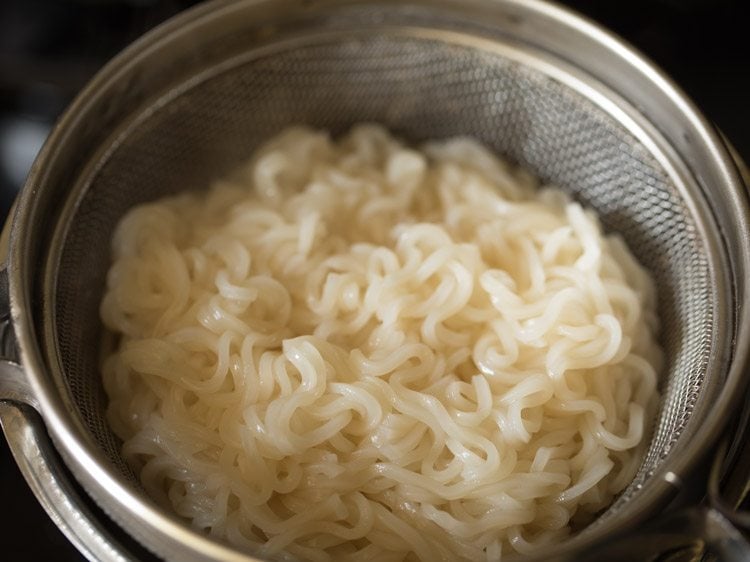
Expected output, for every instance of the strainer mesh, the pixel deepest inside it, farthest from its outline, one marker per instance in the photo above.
(421, 89)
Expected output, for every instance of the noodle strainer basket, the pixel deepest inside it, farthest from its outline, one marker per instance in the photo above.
(192, 99)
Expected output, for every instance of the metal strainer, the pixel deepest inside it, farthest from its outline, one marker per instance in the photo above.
(191, 100)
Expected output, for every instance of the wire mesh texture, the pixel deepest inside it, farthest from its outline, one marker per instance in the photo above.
(421, 89)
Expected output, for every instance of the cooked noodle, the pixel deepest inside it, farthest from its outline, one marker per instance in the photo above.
(355, 350)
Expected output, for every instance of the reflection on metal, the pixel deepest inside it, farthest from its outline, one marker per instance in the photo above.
(48, 479)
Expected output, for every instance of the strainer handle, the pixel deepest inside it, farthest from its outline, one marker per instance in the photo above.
(697, 530)
(35, 454)
(702, 529)
(43, 470)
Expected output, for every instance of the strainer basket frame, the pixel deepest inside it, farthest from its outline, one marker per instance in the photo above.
(681, 133)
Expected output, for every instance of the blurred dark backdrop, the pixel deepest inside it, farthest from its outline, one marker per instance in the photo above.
(50, 48)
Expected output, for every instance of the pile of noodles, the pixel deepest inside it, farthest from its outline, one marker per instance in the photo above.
(356, 350)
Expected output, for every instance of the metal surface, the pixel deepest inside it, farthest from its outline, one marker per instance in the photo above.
(34, 453)
(550, 91)
(39, 463)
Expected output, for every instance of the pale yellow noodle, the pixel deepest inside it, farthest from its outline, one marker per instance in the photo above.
(355, 350)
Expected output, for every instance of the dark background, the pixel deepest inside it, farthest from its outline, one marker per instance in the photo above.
(49, 49)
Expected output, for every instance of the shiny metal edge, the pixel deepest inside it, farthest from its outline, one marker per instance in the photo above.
(38, 462)
(8, 350)
(32, 448)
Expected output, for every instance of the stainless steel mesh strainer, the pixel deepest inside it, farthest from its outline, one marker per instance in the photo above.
(191, 100)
